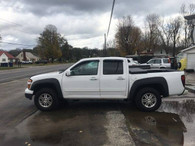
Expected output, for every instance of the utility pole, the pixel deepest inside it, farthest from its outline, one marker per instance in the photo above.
(105, 41)
(106, 35)
(105, 51)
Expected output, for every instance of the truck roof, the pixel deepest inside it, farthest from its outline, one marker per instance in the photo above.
(100, 58)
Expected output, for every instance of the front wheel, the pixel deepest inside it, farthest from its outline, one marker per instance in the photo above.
(148, 99)
(46, 99)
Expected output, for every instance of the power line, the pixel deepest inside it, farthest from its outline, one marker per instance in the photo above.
(111, 17)
(17, 24)
(10, 43)
(2, 19)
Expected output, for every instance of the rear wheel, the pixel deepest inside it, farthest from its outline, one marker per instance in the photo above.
(46, 99)
(148, 99)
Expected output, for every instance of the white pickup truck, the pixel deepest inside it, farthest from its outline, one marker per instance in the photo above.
(105, 78)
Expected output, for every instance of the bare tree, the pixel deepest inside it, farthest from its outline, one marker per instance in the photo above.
(152, 22)
(187, 10)
(191, 9)
(110, 44)
(165, 35)
(128, 36)
(175, 27)
(186, 27)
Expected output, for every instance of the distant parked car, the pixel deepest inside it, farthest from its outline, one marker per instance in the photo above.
(135, 64)
(159, 63)
(41, 61)
(131, 61)
(27, 62)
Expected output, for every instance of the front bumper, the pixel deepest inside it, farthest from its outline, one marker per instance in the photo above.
(28, 94)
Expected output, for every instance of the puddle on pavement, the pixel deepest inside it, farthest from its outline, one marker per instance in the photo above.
(173, 124)
(79, 124)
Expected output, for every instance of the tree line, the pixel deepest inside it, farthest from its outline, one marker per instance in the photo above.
(52, 46)
(159, 34)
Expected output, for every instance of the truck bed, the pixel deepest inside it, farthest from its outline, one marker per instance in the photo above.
(143, 71)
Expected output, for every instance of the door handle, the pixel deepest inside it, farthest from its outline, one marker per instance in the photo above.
(120, 78)
(93, 79)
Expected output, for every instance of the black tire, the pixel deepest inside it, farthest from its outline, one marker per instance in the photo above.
(51, 100)
(148, 99)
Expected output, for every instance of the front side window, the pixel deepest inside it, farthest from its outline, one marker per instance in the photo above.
(112, 67)
(157, 61)
(150, 61)
(85, 68)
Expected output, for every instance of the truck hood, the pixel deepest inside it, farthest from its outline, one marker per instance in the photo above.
(50, 75)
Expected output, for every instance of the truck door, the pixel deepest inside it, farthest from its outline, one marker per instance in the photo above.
(83, 81)
(113, 79)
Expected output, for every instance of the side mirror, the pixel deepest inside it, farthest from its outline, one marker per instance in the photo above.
(68, 73)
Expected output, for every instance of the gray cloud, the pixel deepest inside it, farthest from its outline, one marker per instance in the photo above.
(81, 21)
(78, 7)
(74, 7)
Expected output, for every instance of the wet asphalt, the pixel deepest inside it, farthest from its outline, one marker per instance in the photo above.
(93, 123)
(10, 75)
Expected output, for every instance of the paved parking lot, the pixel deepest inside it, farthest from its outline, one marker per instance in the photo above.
(93, 122)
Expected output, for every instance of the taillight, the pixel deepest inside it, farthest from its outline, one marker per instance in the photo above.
(169, 60)
(183, 80)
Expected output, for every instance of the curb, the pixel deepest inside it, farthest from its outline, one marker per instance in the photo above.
(190, 89)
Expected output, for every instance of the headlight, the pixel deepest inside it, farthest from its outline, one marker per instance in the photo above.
(29, 83)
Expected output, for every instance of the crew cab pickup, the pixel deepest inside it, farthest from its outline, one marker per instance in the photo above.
(105, 78)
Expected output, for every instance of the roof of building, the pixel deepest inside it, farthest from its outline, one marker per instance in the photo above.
(7, 54)
(187, 49)
(28, 54)
(190, 17)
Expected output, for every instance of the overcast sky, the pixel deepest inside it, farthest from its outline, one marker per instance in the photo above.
(82, 22)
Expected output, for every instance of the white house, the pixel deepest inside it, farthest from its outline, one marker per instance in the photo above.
(189, 54)
(27, 56)
(5, 57)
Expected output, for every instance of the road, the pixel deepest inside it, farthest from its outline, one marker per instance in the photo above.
(9, 75)
(87, 123)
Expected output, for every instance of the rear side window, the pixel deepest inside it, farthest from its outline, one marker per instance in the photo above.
(166, 60)
(112, 67)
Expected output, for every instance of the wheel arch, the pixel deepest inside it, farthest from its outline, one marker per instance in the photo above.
(158, 83)
(48, 83)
